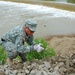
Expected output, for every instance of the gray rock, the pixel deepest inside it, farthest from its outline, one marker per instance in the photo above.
(46, 64)
(44, 73)
(2, 72)
(33, 72)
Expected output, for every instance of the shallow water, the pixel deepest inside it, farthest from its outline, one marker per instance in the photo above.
(61, 4)
(51, 21)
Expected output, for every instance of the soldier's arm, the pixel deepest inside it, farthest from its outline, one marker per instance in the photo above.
(30, 41)
(21, 47)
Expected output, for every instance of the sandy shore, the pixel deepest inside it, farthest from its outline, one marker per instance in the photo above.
(63, 45)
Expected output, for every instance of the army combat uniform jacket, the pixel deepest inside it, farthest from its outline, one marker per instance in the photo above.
(13, 41)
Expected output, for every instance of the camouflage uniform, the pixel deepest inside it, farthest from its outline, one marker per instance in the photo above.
(13, 43)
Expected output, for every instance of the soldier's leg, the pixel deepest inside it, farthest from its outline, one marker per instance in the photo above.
(11, 56)
(23, 57)
(11, 50)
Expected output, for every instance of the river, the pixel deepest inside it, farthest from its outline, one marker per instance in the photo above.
(51, 21)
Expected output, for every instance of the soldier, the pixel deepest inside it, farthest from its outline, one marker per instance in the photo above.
(14, 41)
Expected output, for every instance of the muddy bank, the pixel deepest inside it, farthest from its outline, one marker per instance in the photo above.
(62, 44)
(58, 65)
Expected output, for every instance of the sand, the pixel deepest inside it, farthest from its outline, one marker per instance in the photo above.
(63, 45)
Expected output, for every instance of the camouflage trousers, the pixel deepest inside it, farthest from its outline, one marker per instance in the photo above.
(12, 51)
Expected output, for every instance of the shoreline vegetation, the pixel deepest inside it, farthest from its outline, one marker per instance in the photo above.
(48, 52)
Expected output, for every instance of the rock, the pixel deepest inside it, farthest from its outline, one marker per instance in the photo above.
(56, 73)
(71, 70)
(42, 66)
(53, 60)
(26, 64)
(72, 74)
(46, 64)
(33, 72)
(40, 62)
(67, 62)
(2, 72)
(61, 64)
(55, 66)
(34, 66)
(26, 71)
(72, 56)
(38, 72)
(15, 71)
(21, 74)
(44, 73)
(7, 72)
(62, 71)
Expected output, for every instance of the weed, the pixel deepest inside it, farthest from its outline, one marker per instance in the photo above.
(47, 52)
(3, 55)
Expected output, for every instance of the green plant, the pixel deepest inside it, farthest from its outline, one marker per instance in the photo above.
(47, 52)
(3, 55)
(42, 41)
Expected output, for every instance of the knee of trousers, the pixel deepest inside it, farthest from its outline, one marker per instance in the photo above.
(12, 55)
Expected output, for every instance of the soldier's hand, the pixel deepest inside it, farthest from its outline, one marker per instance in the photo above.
(38, 47)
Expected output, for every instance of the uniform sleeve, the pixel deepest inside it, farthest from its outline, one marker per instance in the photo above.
(30, 41)
(21, 48)
(19, 41)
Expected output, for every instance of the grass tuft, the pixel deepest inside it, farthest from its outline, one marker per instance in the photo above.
(46, 53)
(3, 55)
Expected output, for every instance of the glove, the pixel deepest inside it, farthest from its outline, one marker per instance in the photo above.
(38, 47)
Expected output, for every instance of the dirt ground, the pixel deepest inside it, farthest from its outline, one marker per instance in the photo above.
(63, 44)
(63, 64)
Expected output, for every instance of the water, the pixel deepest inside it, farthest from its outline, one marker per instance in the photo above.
(51, 21)
(61, 4)
(67, 1)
